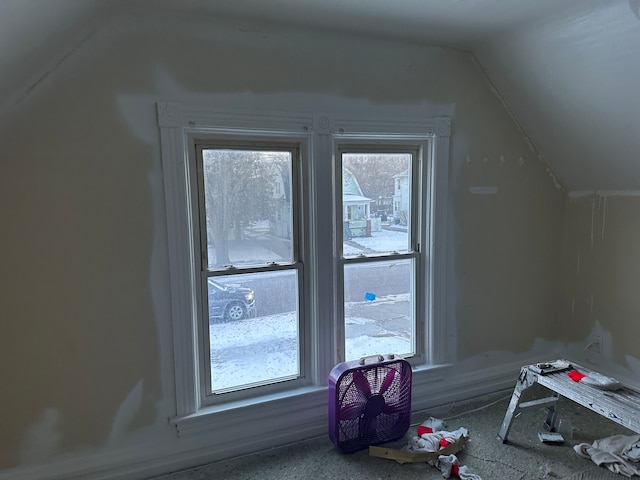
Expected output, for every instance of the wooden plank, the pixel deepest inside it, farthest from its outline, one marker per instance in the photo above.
(415, 457)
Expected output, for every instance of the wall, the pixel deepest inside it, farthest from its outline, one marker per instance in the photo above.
(86, 341)
(570, 79)
(601, 274)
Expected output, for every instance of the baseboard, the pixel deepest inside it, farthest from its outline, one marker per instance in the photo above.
(455, 385)
(152, 458)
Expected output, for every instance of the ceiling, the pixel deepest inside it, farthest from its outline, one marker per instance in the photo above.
(569, 70)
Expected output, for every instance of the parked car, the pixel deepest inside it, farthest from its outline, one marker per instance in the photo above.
(230, 301)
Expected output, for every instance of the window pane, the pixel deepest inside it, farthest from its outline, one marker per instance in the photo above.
(248, 207)
(376, 203)
(379, 306)
(253, 328)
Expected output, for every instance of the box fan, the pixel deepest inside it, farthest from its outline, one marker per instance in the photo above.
(369, 402)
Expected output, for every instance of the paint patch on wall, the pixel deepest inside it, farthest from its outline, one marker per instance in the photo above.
(42, 440)
(128, 409)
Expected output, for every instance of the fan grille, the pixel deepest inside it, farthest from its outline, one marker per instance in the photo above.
(373, 405)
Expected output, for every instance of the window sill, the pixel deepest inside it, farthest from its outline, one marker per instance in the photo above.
(305, 404)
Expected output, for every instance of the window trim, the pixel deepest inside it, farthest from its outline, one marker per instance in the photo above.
(438, 329)
(178, 124)
(179, 129)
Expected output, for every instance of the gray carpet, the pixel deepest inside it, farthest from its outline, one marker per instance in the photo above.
(595, 473)
(523, 457)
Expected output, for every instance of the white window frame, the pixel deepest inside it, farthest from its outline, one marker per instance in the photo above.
(219, 138)
(419, 224)
(319, 132)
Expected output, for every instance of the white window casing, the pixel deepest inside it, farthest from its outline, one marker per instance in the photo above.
(304, 402)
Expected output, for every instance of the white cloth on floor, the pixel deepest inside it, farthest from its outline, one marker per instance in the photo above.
(435, 424)
(445, 464)
(430, 442)
(617, 453)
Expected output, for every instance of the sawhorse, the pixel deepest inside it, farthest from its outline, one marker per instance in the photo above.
(621, 406)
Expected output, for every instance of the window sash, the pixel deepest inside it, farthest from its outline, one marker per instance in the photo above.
(418, 229)
(208, 394)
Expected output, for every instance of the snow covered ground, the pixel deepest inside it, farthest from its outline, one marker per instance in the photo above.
(383, 241)
(260, 349)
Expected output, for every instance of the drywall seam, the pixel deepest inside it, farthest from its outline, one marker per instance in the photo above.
(32, 85)
(593, 215)
(604, 215)
(580, 193)
(578, 266)
(603, 193)
(618, 193)
(527, 139)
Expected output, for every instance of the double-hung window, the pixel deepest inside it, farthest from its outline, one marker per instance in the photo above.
(250, 269)
(297, 241)
(381, 263)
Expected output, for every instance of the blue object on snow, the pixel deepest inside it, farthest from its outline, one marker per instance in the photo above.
(369, 296)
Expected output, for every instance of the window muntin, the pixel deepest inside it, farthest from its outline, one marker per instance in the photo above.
(380, 258)
(250, 276)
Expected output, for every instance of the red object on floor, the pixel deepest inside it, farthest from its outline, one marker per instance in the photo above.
(422, 430)
(575, 375)
(455, 470)
(444, 442)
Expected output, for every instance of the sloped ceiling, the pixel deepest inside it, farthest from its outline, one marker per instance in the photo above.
(568, 70)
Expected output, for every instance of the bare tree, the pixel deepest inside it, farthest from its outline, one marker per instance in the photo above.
(375, 172)
(238, 190)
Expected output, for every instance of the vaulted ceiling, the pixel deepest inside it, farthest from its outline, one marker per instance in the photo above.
(569, 70)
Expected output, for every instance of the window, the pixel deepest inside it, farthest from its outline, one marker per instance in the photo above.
(296, 242)
(380, 261)
(250, 270)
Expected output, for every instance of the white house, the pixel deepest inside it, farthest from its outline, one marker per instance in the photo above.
(401, 192)
(355, 206)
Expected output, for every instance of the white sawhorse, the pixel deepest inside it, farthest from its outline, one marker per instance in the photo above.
(621, 406)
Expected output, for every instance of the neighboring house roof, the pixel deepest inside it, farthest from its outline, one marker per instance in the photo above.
(355, 199)
(350, 185)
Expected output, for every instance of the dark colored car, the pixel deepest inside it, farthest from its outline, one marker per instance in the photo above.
(230, 302)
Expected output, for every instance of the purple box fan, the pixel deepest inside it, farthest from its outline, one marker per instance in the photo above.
(369, 402)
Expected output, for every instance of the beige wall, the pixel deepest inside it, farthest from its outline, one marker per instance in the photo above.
(601, 277)
(507, 255)
(85, 345)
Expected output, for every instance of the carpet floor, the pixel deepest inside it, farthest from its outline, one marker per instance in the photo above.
(595, 473)
(523, 457)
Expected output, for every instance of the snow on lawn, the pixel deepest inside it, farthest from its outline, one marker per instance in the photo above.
(383, 241)
(260, 349)
(253, 350)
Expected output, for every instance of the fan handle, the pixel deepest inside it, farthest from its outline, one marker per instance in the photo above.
(378, 358)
